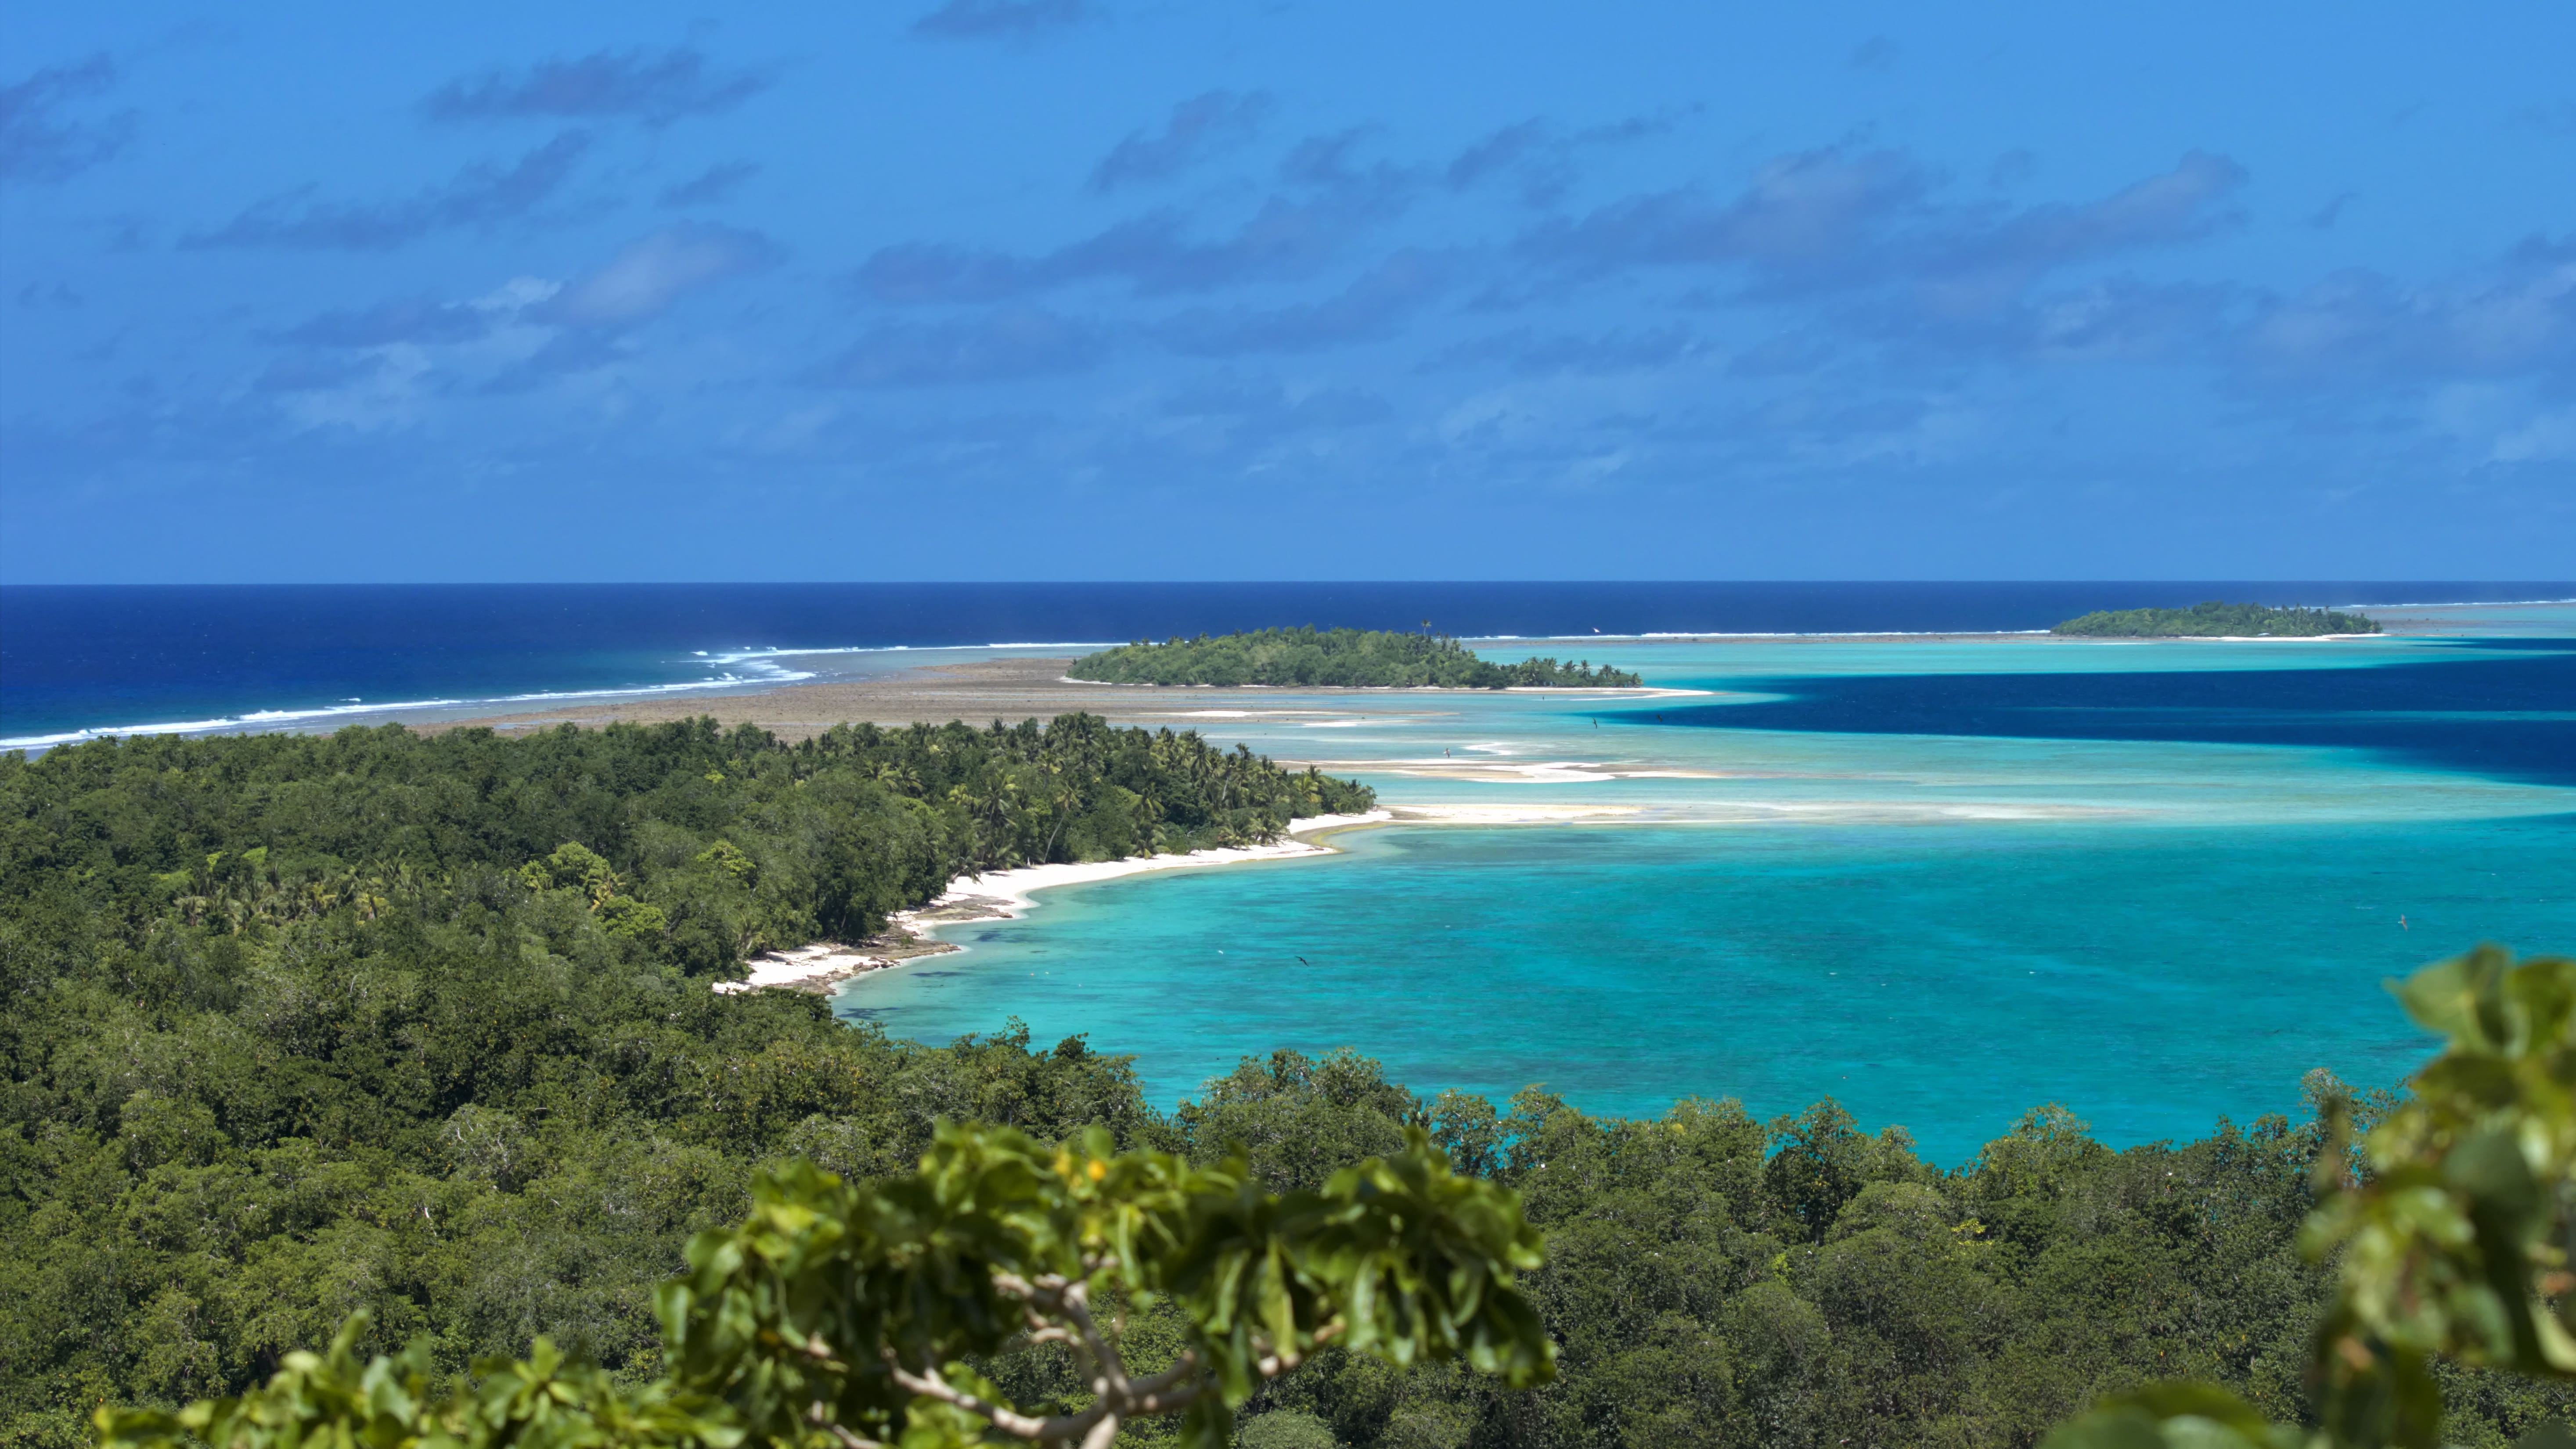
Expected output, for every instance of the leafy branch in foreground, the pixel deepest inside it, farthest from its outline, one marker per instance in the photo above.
(2454, 1237)
(851, 1315)
(392, 1402)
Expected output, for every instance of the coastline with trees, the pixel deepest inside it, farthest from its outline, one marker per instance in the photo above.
(2214, 620)
(1335, 659)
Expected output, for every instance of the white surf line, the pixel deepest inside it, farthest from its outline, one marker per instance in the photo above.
(1009, 894)
(1532, 814)
(359, 709)
(1739, 813)
(1529, 772)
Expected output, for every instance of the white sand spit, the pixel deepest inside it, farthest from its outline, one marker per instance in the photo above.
(1006, 895)
(1010, 890)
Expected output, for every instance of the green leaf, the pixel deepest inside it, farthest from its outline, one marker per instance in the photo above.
(2173, 1416)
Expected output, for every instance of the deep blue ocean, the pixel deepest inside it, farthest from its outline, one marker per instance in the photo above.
(92, 658)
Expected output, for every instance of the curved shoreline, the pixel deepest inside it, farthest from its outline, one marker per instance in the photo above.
(1006, 895)
(1011, 888)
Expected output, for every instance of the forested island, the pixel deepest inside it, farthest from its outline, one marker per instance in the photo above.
(1334, 658)
(2215, 620)
(295, 1032)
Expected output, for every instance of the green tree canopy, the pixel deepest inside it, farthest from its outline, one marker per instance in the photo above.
(1338, 658)
(2451, 1234)
(2214, 620)
(853, 1314)
(292, 1030)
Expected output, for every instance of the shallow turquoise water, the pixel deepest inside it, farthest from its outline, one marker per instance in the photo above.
(1940, 930)
(1946, 977)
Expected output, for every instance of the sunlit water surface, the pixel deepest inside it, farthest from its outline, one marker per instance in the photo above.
(1943, 882)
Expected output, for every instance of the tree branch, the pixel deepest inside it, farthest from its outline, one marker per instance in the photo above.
(1164, 1402)
(1009, 1421)
(1186, 1366)
(1071, 1300)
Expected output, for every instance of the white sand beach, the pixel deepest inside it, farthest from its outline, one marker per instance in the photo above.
(1012, 888)
(1007, 895)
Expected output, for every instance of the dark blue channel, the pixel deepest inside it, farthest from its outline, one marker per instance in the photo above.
(2500, 708)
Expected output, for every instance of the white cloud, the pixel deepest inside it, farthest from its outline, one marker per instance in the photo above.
(652, 273)
(2548, 437)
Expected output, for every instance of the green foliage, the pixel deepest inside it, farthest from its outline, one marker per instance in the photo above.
(850, 1313)
(2217, 620)
(291, 1034)
(1342, 658)
(738, 839)
(1299, 1120)
(420, 1026)
(403, 1402)
(1688, 1299)
(1696, 1300)
(871, 1298)
(2452, 1240)
(1285, 1429)
(2175, 1416)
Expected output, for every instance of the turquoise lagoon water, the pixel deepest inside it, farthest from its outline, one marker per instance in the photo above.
(1946, 977)
(1941, 929)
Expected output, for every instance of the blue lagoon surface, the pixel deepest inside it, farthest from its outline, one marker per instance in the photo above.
(1943, 882)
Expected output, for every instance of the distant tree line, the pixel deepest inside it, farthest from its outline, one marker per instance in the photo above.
(2216, 620)
(299, 1028)
(1340, 658)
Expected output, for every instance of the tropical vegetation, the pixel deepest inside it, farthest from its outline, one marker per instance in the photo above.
(346, 1104)
(855, 1314)
(2454, 1231)
(1341, 658)
(2215, 620)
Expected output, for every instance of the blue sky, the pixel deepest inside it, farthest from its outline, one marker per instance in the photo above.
(1130, 289)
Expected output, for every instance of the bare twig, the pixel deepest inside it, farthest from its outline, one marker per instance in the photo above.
(1058, 1310)
(1164, 1402)
(1074, 1300)
(1186, 1366)
(1009, 1421)
(1071, 1300)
